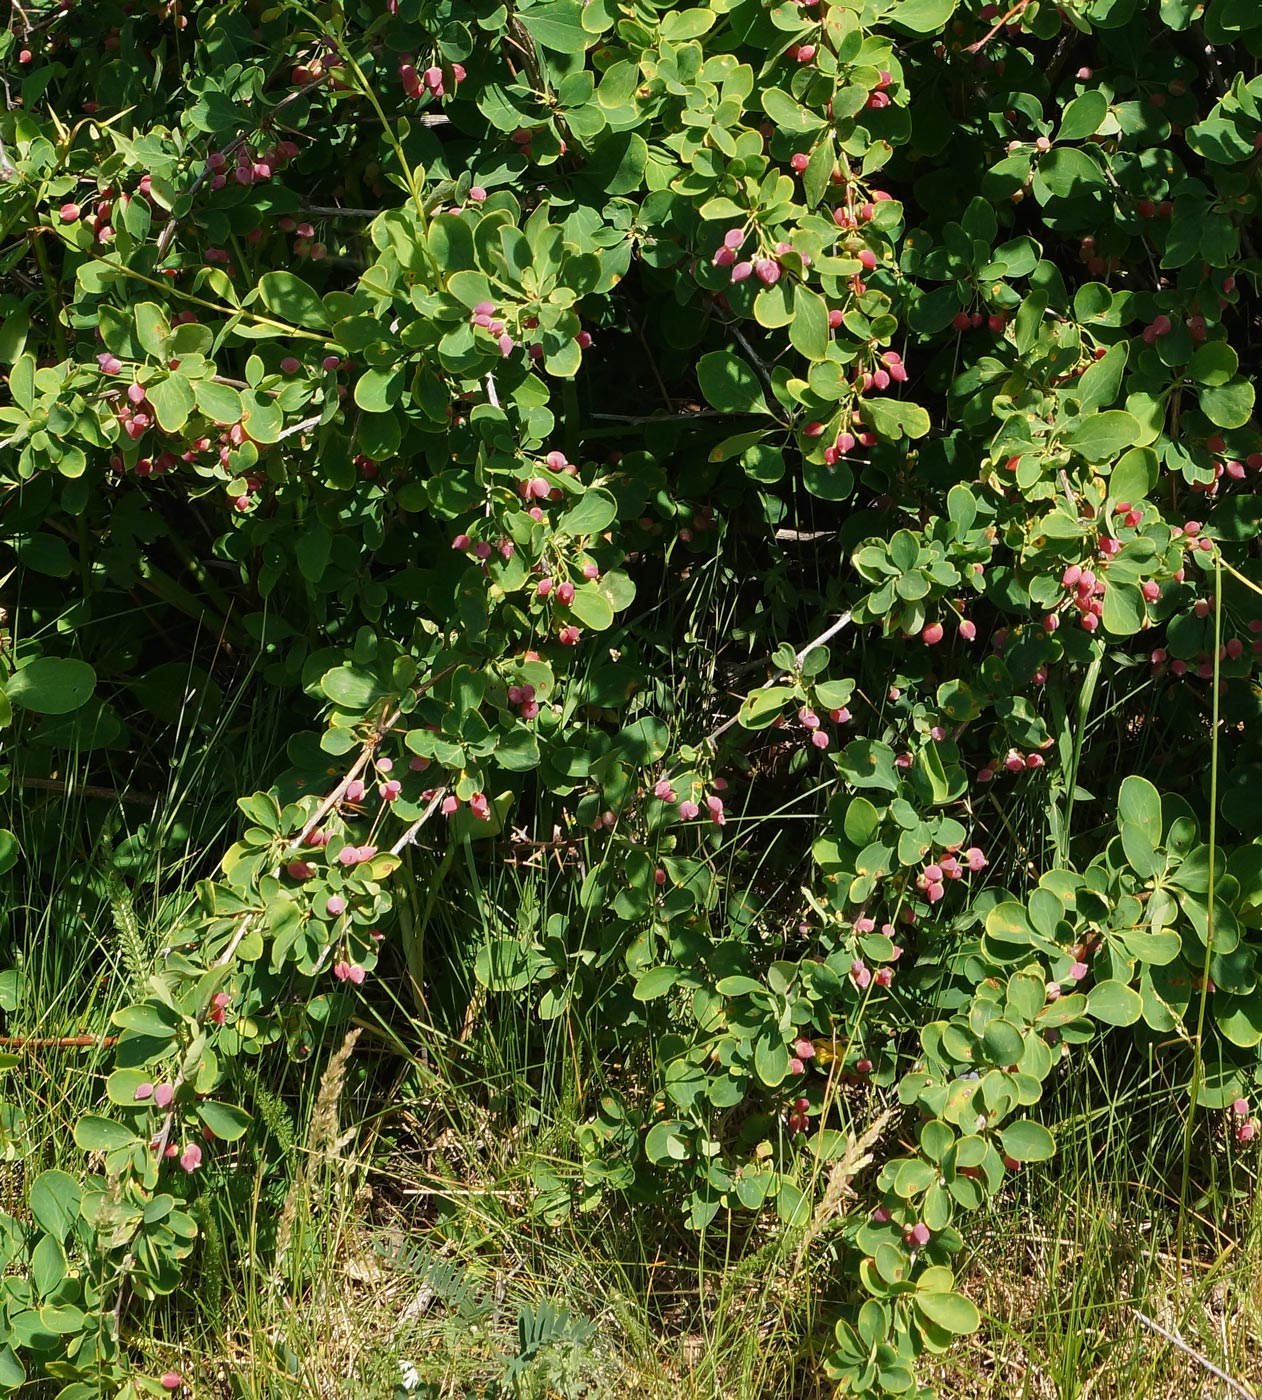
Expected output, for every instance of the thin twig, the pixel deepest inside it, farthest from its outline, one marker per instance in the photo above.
(1176, 1341)
(313, 422)
(410, 834)
(57, 1042)
(636, 419)
(760, 368)
(1015, 13)
(61, 785)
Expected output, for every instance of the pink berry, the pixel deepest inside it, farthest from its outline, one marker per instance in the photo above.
(932, 634)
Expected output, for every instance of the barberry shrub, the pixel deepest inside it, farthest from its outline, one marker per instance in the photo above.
(424, 355)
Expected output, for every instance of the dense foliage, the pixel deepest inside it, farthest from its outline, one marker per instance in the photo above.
(426, 361)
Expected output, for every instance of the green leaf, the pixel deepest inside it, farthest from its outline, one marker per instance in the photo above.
(729, 384)
(808, 331)
(12, 1372)
(1069, 172)
(45, 554)
(591, 607)
(152, 327)
(557, 25)
(1139, 803)
(1124, 609)
(173, 401)
(771, 1058)
(1082, 116)
(619, 162)
(678, 25)
(350, 688)
(152, 1018)
(378, 390)
(1008, 923)
(654, 983)
(594, 511)
(892, 418)
(1027, 1142)
(504, 965)
(95, 1134)
(54, 1203)
(788, 114)
(819, 171)
(764, 706)
(517, 751)
(1092, 299)
(225, 1120)
(52, 685)
(1114, 1003)
(1228, 405)
(1213, 365)
(667, 1141)
(868, 763)
(828, 483)
(291, 299)
(952, 1312)
(921, 16)
(646, 741)
(793, 1206)
(121, 1086)
(221, 403)
(1134, 475)
(861, 822)
(1103, 435)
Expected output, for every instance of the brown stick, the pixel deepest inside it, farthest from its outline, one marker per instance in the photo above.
(1015, 13)
(57, 1042)
(86, 790)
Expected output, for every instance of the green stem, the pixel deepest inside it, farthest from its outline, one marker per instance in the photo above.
(217, 307)
(1080, 734)
(1198, 1065)
(348, 58)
